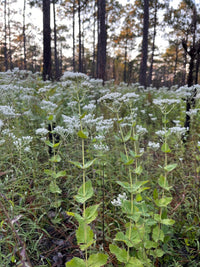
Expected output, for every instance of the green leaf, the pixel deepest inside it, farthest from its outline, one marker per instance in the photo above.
(120, 236)
(150, 244)
(50, 172)
(48, 143)
(126, 160)
(165, 148)
(168, 221)
(170, 167)
(134, 262)
(97, 260)
(55, 158)
(83, 115)
(132, 241)
(157, 234)
(88, 164)
(126, 208)
(85, 192)
(56, 145)
(84, 236)
(157, 253)
(77, 164)
(50, 118)
(75, 262)
(60, 174)
(163, 202)
(162, 181)
(78, 217)
(138, 170)
(136, 188)
(120, 254)
(155, 193)
(128, 136)
(53, 187)
(82, 135)
(91, 213)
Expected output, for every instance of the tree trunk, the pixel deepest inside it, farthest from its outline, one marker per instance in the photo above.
(57, 74)
(144, 57)
(94, 42)
(9, 38)
(153, 44)
(46, 41)
(125, 61)
(79, 38)
(5, 37)
(73, 36)
(102, 39)
(24, 34)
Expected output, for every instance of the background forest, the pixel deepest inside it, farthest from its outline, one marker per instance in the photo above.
(76, 42)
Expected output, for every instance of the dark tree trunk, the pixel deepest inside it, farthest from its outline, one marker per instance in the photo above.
(153, 44)
(57, 74)
(24, 34)
(94, 42)
(125, 62)
(46, 41)
(102, 40)
(197, 68)
(5, 37)
(176, 63)
(10, 39)
(80, 69)
(73, 36)
(143, 65)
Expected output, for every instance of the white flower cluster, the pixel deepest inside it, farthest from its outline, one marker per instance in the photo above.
(119, 200)
(68, 75)
(104, 125)
(48, 106)
(153, 145)
(128, 96)
(41, 131)
(101, 147)
(89, 107)
(141, 130)
(192, 112)
(24, 141)
(72, 124)
(110, 97)
(177, 130)
(8, 111)
(167, 101)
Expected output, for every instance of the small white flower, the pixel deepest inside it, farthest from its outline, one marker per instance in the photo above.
(153, 145)
(140, 129)
(167, 101)
(119, 200)
(110, 97)
(101, 147)
(42, 131)
(48, 106)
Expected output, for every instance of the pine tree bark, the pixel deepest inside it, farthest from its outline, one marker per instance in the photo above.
(102, 40)
(5, 37)
(73, 36)
(24, 34)
(144, 57)
(153, 44)
(46, 41)
(55, 44)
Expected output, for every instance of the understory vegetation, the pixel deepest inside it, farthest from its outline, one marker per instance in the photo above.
(94, 175)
